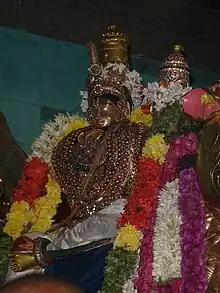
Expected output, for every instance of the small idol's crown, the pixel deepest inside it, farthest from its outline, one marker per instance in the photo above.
(175, 68)
(114, 46)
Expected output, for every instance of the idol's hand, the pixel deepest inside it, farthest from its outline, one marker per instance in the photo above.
(27, 253)
(22, 262)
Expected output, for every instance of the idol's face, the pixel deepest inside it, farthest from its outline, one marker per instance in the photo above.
(106, 112)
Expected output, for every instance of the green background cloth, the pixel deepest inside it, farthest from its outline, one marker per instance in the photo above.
(40, 77)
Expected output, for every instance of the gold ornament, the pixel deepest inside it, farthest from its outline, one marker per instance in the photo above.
(114, 46)
(175, 68)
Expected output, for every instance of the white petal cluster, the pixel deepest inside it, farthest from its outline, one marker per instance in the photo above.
(161, 97)
(167, 253)
(51, 133)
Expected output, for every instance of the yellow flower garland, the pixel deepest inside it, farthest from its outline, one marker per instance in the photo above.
(77, 124)
(39, 218)
(138, 116)
(20, 215)
(155, 148)
(46, 207)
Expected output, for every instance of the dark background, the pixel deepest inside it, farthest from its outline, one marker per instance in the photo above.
(153, 26)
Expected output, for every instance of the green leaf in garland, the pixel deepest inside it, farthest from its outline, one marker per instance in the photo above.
(167, 121)
(120, 264)
(6, 243)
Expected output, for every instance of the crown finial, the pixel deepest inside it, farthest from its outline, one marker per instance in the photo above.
(114, 46)
(175, 68)
(178, 49)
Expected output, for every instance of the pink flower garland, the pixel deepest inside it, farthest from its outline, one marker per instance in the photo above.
(192, 233)
(186, 144)
(172, 287)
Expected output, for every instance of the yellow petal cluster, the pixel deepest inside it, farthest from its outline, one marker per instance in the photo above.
(46, 207)
(75, 125)
(138, 116)
(155, 148)
(128, 237)
(206, 99)
(18, 217)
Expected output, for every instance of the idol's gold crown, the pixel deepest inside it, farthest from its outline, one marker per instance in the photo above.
(114, 46)
(108, 68)
(175, 68)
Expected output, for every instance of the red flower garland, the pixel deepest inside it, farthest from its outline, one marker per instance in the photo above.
(142, 197)
(32, 183)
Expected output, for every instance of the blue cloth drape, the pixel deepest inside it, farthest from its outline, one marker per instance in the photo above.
(85, 270)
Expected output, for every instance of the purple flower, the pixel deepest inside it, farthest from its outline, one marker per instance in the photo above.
(192, 234)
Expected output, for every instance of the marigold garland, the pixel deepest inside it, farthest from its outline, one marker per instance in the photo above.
(19, 216)
(46, 207)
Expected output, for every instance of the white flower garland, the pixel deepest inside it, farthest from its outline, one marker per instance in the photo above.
(52, 132)
(132, 83)
(167, 254)
(161, 97)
